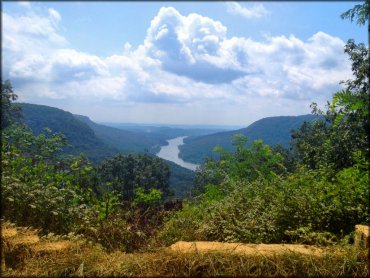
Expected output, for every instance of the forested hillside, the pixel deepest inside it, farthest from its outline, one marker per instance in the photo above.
(161, 132)
(81, 138)
(123, 140)
(99, 142)
(271, 130)
(117, 216)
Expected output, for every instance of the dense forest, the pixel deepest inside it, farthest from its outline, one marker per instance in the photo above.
(98, 142)
(313, 191)
(274, 131)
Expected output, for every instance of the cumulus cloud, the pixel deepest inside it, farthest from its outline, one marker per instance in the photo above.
(254, 11)
(290, 67)
(31, 32)
(189, 46)
(183, 59)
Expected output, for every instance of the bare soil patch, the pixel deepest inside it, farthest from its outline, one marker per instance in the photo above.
(245, 249)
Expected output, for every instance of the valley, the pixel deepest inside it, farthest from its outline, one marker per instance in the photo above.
(226, 139)
(272, 131)
(183, 147)
(171, 152)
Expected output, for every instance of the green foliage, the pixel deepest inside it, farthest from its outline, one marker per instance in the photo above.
(183, 225)
(305, 235)
(308, 143)
(53, 209)
(10, 113)
(289, 160)
(272, 131)
(37, 187)
(109, 203)
(63, 194)
(153, 196)
(127, 173)
(123, 140)
(333, 142)
(359, 12)
(251, 193)
(80, 136)
(29, 157)
(114, 233)
(181, 180)
(247, 164)
(278, 209)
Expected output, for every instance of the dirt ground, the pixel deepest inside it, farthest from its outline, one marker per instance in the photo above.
(14, 237)
(25, 254)
(20, 236)
(246, 249)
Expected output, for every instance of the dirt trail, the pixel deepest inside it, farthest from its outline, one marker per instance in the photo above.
(246, 249)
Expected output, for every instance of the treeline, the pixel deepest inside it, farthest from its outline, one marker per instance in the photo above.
(313, 193)
(272, 130)
(44, 188)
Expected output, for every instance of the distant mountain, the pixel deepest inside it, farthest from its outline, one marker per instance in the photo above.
(123, 140)
(272, 131)
(167, 132)
(79, 135)
(98, 141)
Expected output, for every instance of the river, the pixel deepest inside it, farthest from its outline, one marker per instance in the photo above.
(171, 153)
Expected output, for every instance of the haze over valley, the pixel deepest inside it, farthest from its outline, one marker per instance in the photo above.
(187, 147)
(185, 138)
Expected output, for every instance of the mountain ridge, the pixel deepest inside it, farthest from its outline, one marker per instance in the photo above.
(272, 130)
(79, 135)
(86, 136)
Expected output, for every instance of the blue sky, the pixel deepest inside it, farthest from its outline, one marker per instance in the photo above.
(177, 62)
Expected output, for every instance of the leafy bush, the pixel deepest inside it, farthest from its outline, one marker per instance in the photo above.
(57, 210)
(153, 196)
(37, 188)
(127, 173)
(303, 207)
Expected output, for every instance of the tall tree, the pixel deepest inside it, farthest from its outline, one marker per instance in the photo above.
(345, 132)
(361, 13)
(9, 112)
(127, 173)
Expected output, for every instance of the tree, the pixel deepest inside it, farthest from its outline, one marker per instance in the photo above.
(344, 134)
(127, 173)
(9, 112)
(359, 12)
(245, 164)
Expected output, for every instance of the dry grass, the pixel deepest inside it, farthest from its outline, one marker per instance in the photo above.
(87, 260)
(78, 258)
(246, 249)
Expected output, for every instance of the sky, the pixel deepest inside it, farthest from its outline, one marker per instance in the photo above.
(214, 63)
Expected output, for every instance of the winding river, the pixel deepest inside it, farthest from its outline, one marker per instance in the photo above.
(171, 153)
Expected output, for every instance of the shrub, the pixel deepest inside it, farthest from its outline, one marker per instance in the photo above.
(57, 210)
(303, 207)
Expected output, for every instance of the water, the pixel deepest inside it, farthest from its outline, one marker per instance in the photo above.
(171, 153)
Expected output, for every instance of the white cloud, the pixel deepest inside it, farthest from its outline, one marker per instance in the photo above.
(25, 4)
(189, 46)
(187, 59)
(54, 16)
(254, 11)
(32, 32)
